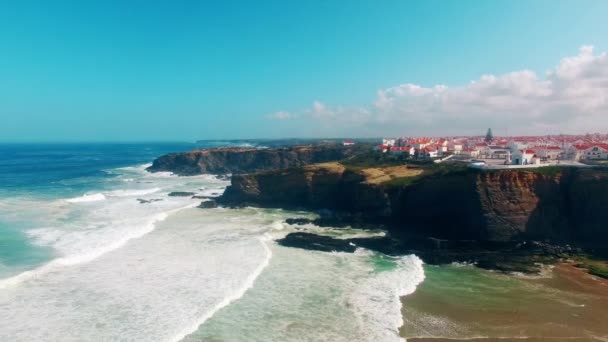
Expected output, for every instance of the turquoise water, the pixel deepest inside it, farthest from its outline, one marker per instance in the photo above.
(17, 253)
(32, 173)
(82, 259)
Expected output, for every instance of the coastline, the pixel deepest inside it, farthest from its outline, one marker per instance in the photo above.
(566, 304)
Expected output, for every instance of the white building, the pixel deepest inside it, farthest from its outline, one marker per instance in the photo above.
(429, 151)
(494, 152)
(515, 145)
(596, 151)
(400, 150)
(388, 141)
(524, 157)
(587, 152)
(549, 152)
(469, 152)
(455, 147)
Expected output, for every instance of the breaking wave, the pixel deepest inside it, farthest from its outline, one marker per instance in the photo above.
(87, 198)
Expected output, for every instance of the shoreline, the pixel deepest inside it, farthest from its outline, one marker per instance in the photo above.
(567, 304)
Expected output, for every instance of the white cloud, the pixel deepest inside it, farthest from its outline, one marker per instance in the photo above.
(281, 115)
(572, 97)
(320, 111)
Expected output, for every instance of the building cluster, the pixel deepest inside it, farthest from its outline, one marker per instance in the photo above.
(519, 150)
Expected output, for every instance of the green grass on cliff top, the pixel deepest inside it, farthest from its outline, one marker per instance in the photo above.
(431, 171)
(374, 159)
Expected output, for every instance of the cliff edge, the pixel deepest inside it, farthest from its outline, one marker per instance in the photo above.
(561, 205)
(232, 160)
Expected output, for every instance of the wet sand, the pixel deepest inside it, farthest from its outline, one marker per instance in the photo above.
(468, 304)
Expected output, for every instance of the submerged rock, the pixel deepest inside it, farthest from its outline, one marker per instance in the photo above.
(181, 194)
(298, 221)
(202, 197)
(144, 201)
(208, 204)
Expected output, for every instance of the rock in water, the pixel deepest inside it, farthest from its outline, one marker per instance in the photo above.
(181, 194)
(144, 201)
(208, 204)
(298, 221)
(317, 243)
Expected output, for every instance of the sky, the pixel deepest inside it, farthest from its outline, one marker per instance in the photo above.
(187, 70)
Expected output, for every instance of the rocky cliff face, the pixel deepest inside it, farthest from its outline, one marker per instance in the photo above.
(568, 205)
(243, 160)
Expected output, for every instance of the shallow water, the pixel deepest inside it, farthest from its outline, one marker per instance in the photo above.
(464, 302)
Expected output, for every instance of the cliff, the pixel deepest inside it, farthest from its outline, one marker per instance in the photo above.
(245, 160)
(562, 205)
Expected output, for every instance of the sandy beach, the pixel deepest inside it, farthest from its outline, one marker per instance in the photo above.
(463, 303)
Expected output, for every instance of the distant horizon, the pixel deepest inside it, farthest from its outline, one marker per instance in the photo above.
(291, 138)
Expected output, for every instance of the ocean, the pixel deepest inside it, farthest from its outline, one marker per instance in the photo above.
(92, 248)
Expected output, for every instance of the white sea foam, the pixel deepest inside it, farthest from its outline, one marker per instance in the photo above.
(89, 255)
(158, 288)
(248, 283)
(138, 168)
(136, 192)
(213, 192)
(87, 198)
(377, 300)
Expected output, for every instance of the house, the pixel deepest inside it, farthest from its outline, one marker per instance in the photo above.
(549, 152)
(469, 152)
(596, 151)
(420, 143)
(495, 152)
(428, 152)
(442, 145)
(587, 152)
(404, 149)
(348, 143)
(382, 148)
(455, 147)
(388, 141)
(524, 157)
(575, 151)
(479, 147)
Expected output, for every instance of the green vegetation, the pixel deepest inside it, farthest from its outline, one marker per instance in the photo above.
(431, 170)
(376, 159)
(595, 267)
(443, 169)
(403, 181)
(489, 136)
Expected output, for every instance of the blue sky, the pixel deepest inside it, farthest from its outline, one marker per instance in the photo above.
(186, 70)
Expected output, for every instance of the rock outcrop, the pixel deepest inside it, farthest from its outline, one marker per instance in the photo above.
(566, 205)
(246, 160)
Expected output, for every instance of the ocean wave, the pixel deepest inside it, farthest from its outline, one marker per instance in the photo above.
(127, 193)
(212, 192)
(249, 282)
(377, 301)
(139, 167)
(87, 198)
(80, 258)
